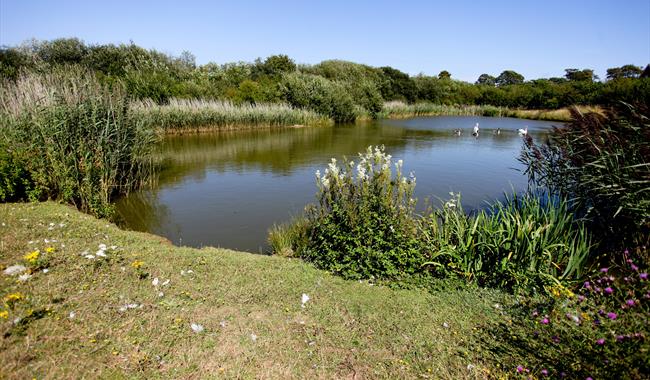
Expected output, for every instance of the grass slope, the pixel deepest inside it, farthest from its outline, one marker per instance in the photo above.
(346, 330)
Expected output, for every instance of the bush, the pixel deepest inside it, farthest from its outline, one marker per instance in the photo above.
(318, 94)
(363, 224)
(601, 163)
(72, 140)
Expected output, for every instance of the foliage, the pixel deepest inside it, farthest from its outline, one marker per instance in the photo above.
(318, 94)
(71, 139)
(602, 164)
(523, 243)
(362, 225)
(601, 331)
(183, 115)
(509, 77)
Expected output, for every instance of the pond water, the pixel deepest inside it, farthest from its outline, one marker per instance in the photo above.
(226, 189)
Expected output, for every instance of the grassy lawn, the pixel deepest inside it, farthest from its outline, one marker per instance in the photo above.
(103, 317)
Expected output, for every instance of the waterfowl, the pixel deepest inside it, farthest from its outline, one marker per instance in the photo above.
(458, 132)
(475, 133)
(523, 132)
(497, 131)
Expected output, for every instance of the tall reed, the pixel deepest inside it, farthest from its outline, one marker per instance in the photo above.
(73, 139)
(182, 115)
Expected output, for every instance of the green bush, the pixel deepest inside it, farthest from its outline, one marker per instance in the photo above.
(72, 140)
(363, 225)
(319, 94)
(601, 163)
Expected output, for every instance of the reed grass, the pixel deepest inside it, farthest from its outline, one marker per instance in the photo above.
(398, 110)
(185, 115)
(72, 140)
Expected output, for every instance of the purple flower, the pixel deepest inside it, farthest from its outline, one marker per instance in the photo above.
(634, 267)
(535, 313)
(587, 285)
(609, 290)
(630, 303)
(627, 252)
(600, 341)
(620, 338)
(562, 374)
(545, 321)
(556, 339)
(544, 372)
(589, 378)
(643, 276)
(604, 270)
(520, 369)
(581, 298)
(611, 315)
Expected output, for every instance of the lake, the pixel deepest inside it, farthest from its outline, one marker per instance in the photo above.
(226, 189)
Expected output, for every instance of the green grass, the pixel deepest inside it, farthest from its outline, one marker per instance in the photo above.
(194, 115)
(348, 329)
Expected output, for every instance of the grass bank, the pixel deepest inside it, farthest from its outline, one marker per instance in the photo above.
(104, 317)
(196, 115)
(399, 110)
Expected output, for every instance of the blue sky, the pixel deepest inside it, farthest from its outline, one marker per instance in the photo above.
(467, 38)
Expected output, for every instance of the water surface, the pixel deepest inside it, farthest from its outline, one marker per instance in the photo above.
(227, 189)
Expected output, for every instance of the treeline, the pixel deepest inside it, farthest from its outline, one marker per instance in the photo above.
(339, 89)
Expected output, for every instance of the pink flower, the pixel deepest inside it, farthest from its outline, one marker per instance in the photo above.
(604, 270)
(544, 372)
(630, 303)
(520, 369)
(545, 321)
(643, 276)
(600, 341)
(609, 290)
(634, 267)
(611, 315)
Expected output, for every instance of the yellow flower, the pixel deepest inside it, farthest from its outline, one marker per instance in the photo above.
(11, 299)
(4, 314)
(137, 264)
(32, 257)
(50, 249)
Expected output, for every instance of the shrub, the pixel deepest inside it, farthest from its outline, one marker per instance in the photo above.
(602, 164)
(319, 94)
(363, 224)
(72, 140)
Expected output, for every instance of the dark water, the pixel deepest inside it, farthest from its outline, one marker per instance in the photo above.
(227, 189)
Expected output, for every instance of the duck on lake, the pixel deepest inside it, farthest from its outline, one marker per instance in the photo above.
(475, 132)
(523, 132)
(458, 132)
(497, 131)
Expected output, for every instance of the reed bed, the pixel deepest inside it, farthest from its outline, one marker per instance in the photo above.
(195, 115)
(398, 110)
(65, 136)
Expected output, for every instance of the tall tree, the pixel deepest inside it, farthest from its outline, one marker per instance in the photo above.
(509, 77)
(444, 74)
(626, 71)
(486, 79)
(580, 75)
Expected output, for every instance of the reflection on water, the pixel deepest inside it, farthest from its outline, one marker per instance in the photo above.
(227, 189)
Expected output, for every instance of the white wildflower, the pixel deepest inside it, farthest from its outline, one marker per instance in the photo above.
(100, 253)
(130, 306)
(45, 270)
(155, 282)
(113, 247)
(318, 174)
(89, 257)
(61, 225)
(71, 315)
(102, 247)
(305, 298)
(445, 325)
(470, 367)
(161, 294)
(14, 270)
(24, 277)
(197, 328)
(253, 337)
(222, 324)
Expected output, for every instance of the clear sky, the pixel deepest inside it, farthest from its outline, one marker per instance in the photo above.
(467, 38)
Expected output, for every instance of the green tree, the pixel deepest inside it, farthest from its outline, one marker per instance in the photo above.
(580, 75)
(486, 79)
(626, 71)
(444, 74)
(509, 77)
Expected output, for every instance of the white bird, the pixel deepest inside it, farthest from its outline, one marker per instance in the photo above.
(457, 132)
(523, 132)
(475, 133)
